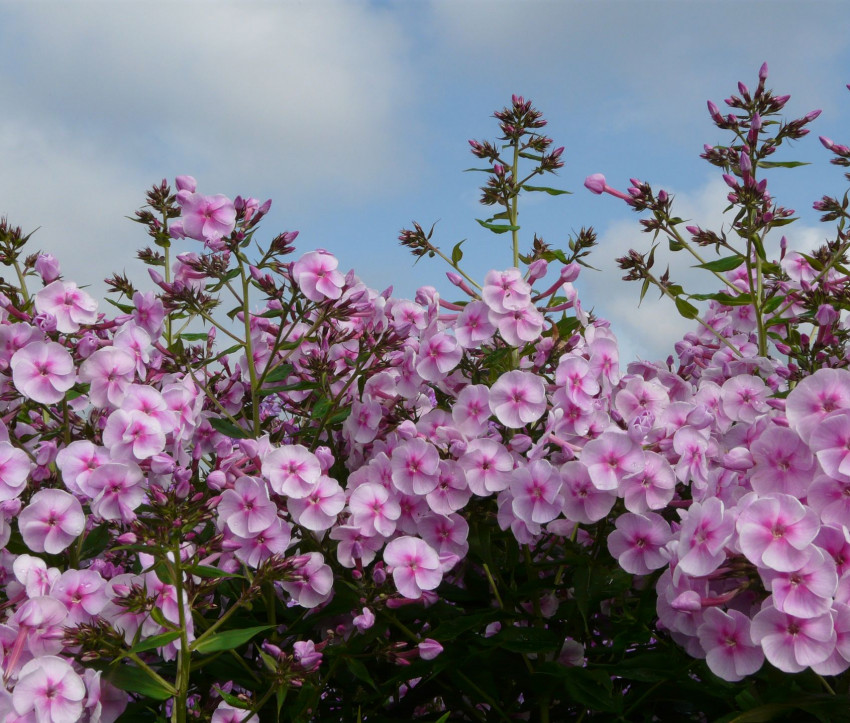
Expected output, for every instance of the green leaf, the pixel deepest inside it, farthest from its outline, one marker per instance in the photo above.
(280, 373)
(209, 571)
(360, 671)
(555, 254)
(772, 304)
(157, 641)
(725, 264)
(782, 164)
(138, 680)
(228, 428)
(481, 170)
(457, 254)
(194, 336)
(675, 245)
(725, 299)
(530, 156)
(95, 542)
(497, 228)
(546, 189)
(689, 311)
(227, 640)
(126, 308)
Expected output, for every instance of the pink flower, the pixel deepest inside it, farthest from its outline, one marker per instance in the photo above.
(429, 649)
(487, 465)
(638, 540)
(226, 713)
(116, 490)
(518, 398)
(415, 464)
(583, 502)
(292, 470)
(816, 396)
(133, 435)
(364, 621)
(206, 218)
(373, 511)
(776, 532)
(472, 327)
(109, 372)
(520, 326)
(793, 644)
(438, 355)
(452, 491)
(15, 467)
(783, 463)
(69, 305)
(705, 531)
(316, 275)
(52, 521)
(807, 592)
(506, 291)
(43, 371)
(610, 457)
(730, 651)
(535, 487)
(415, 566)
(83, 592)
(652, 487)
(246, 509)
(273, 540)
(314, 582)
(318, 510)
(49, 687)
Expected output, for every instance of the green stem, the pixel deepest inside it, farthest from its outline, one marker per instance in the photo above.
(671, 230)
(184, 654)
(493, 585)
(22, 281)
(512, 211)
(151, 672)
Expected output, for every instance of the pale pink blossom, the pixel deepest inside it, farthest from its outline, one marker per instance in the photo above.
(15, 467)
(373, 510)
(314, 582)
(133, 435)
(69, 305)
(611, 457)
(206, 218)
(705, 530)
(730, 651)
(816, 396)
(109, 371)
(292, 470)
(52, 521)
(506, 291)
(49, 687)
(318, 510)
(793, 644)
(415, 464)
(415, 565)
(43, 371)
(776, 532)
(246, 509)
(487, 465)
(518, 398)
(472, 327)
(116, 490)
(438, 355)
(638, 540)
(316, 275)
(535, 487)
(583, 502)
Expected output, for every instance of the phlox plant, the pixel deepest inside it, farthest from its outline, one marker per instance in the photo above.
(362, 507)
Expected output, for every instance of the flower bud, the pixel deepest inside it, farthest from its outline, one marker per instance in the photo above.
(595, 183)
(186, 183)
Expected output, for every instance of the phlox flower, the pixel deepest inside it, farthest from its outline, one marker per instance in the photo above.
(77, 461)
(830, 498)
(116, 489)
(415, 464)
(518, 398)
(471, 409)
(793, 644)
(506, 291)
(407, 315)
(69, 305)
(574, 379)
(438, 355)
(583, 502)
(15, 467)
(246, 509)
(816, 396)
(831, 444)
(447, 534)
(83, 592)
(364, 621)
(652, 487)
(605, 360)
(52, 521)
(148, 312)
(226, 713)
(535, 487)
(149, 401)
(452, 491)
(43, 371)
(318, 510)
(292, 470)
(362, 424)
(743, 397)
(354, 546)
(638, 540)
(206, 218)
(429, 649)
(314, 582)
(783, 463)
(692, 446)
(274, 539)
(49, 687)
(487, 465)
(316, 275)
(730, 651)
(33, 573)
(706, 528)
(639, 397)
(524, 532)
(109, 371)
(776, 532)
(415, 565)
(520, 326)
(611, 457)
(373, 510)
(40, 622)
(132, 435)
(807, 592)
(472, 327)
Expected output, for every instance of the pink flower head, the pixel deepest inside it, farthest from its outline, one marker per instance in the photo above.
(438, 355)
(109, 371)
(69, 305)
(429, 649)
(373, 511)
(133, 435)
(292, 470)
(743, 397)
(318, 510)
(316, 275)
(816, 396)
(506, 291)
(206, 218)
(415, 464)
(15, 467)
(652, 487)
(116, 490)
(730, 651)
(535, 487)
(520, 326)
(638, 540)
(783, 463)
(610, 457)
(452, 491)
(807, 592)
(793, 644)
(52, 521)
(246, 509)
(272, 540)
(83, 592)
(583, 502)
(518, 398)
(472, 327)
(43, 371)
(48, 687)
(226, 713)
(706, 529)
(776, 532)
(415, 566)
(487, 465)
(314, 581)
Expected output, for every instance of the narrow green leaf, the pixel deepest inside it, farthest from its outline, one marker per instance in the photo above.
(689, 311)
(280, 373)
(211, 572)
(157, 641)
(675, 245)
(360, 671)
(497, 228)
(228, 428)
(227, 640)
(457, 254)
(138, 680)
(546, 189)
(772, 304)
(481, 170)
(530, 156)
(725, 299)
(194, 336)
(95, 542)
(725, 264)
(126, 308)
(782, 164)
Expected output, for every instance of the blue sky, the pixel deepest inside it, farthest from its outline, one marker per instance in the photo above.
(353, 117)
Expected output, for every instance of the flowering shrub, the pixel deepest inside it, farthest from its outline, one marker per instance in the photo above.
(372, 508)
